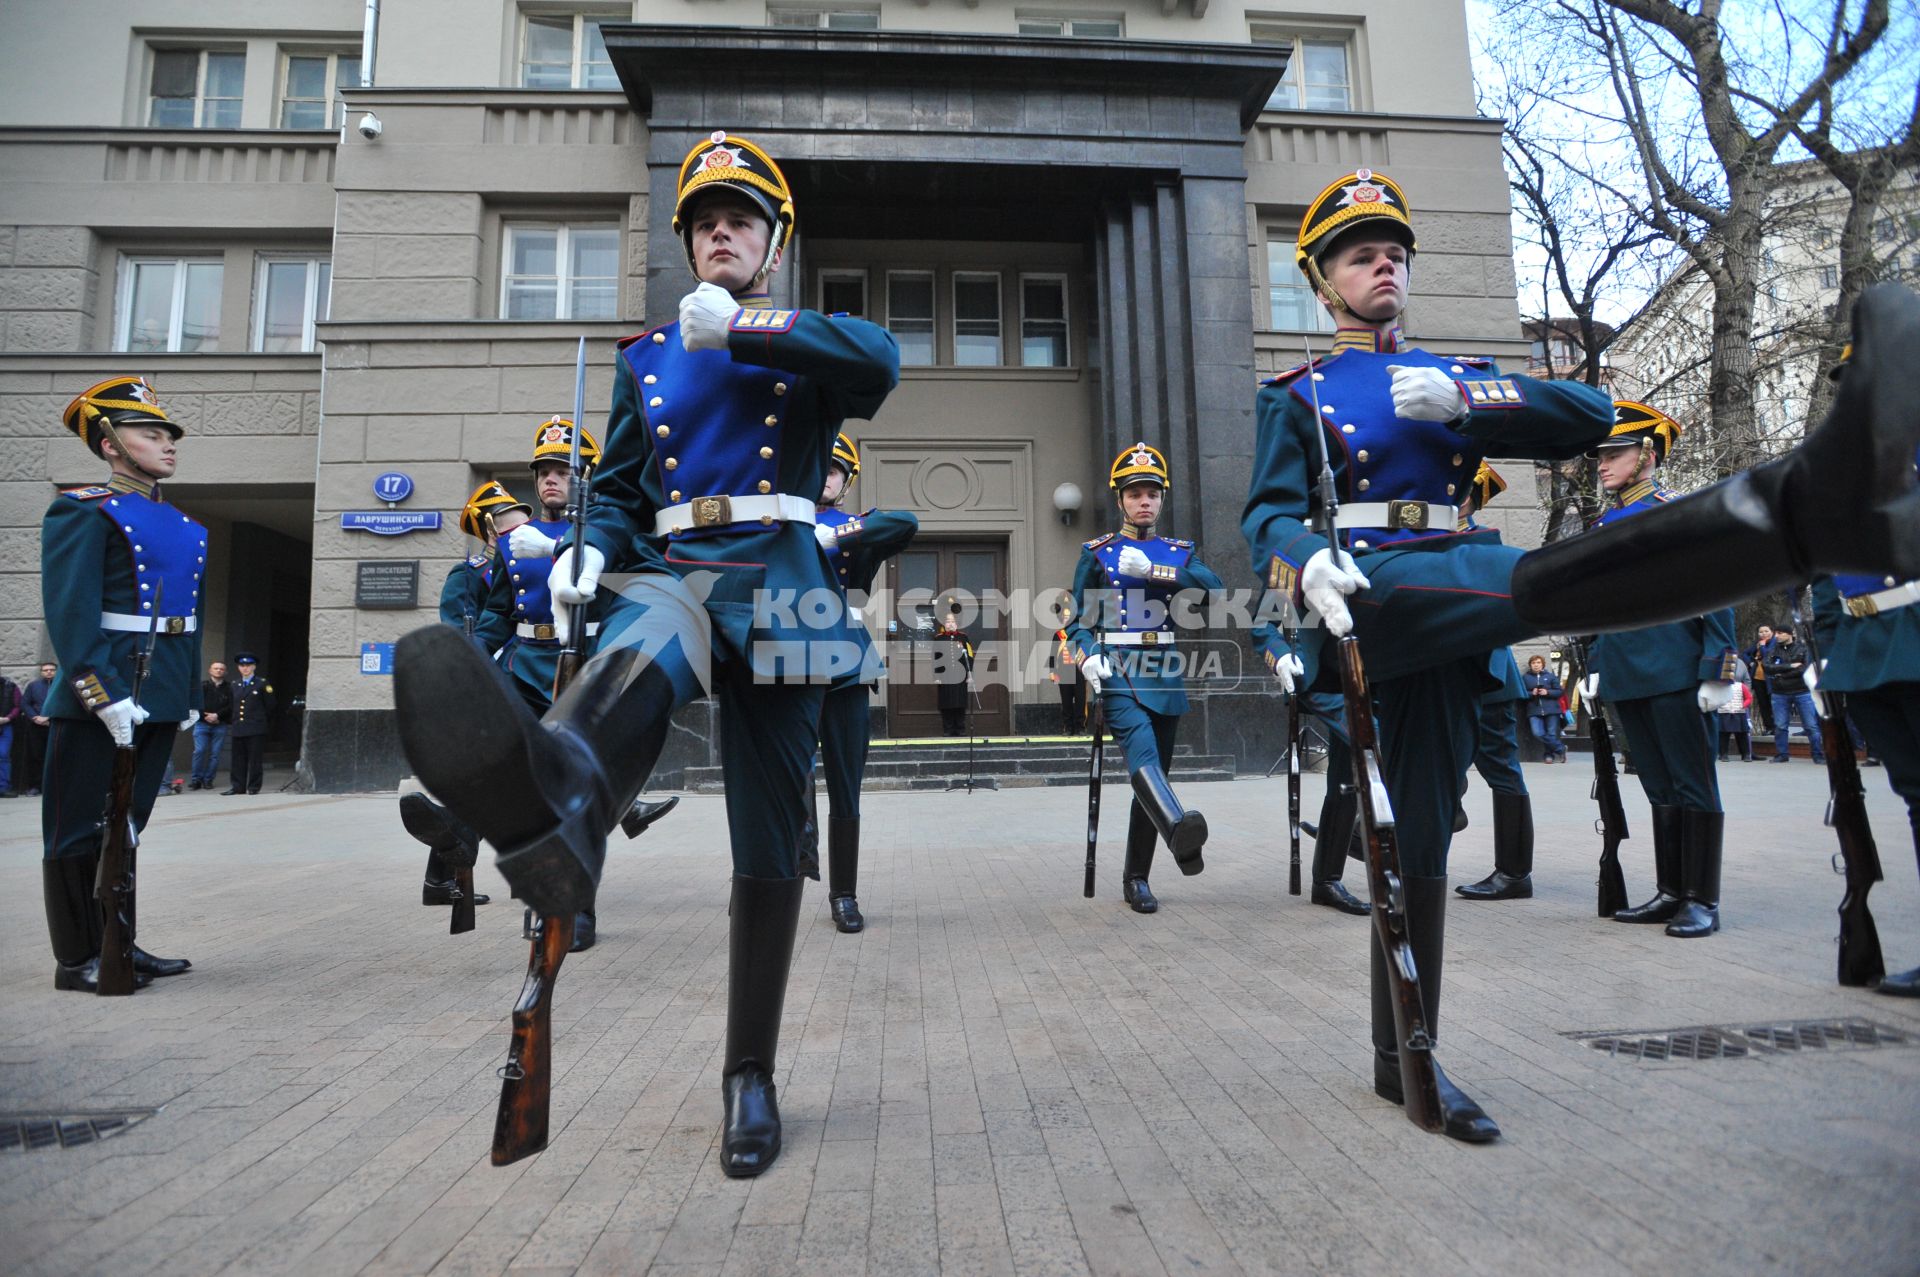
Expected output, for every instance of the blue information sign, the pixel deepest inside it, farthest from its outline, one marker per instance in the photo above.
(376, 658)
(393, 486)
(390, 523)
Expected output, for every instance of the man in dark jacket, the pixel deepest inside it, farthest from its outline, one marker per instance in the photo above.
(252, 706)
(1786, 664)
(210, 733)
(30, 735)
(9, 714)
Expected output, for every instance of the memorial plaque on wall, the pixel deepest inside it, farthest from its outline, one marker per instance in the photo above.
(391, 583)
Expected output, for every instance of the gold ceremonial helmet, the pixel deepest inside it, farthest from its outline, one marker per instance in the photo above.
(1141, 463)
(1487, 484)
(847, 455)
(1635, 425)
(553, 441)
(117, 401)
(723, 161)
(1840, 364)
(1363, 197)
(489, 499)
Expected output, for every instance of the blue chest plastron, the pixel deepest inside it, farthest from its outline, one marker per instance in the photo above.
(1164, 552)
(169, 552)
(532, 600)
(716, 424)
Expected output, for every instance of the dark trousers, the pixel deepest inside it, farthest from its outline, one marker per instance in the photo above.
(845, 726)
(1889, 718)
(1429, 725)
(1784, 708)
(953, 721)
(1073, 707)
(249, 753)
(1673, 749)
(1496, 754)
(29, 753)
(1546, 730)
(1744, 734)
(79, 772)
(1763, 701)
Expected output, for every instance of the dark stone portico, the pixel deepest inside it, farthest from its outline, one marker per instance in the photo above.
(1134, 149)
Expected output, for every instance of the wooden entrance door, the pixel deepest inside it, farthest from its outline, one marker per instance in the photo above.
(940, 568)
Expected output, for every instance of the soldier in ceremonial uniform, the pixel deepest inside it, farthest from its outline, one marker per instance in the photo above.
(1868, 628)
(521, 606)
(117, 564)
(1123, 637)
(253, 706)
(717, 449)
(856, 545)
(1664, 682)
(954, 670)
(1406, 431)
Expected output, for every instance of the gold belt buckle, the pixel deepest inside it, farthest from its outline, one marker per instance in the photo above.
(543, 631)
(712, 511)
(1863, 606)
(175, 624)
(1149, 638)
(1410, 516)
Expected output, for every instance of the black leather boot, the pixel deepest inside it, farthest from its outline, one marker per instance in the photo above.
(843, 872)
(1666, 869)
(1337, 816)
(1427, 935)
(1185, 831)
(1142, 840)
(1776, 524)
(1700, 842)
(145, 963)
(583, 936)
(543, 792)
(450, 844)
(808, 864)
(644, 813)
(74, 923)
(1512, 876)
(765, 915)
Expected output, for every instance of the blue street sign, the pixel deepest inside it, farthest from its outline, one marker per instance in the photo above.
(376, 658)
(390, 523)
(393, 486)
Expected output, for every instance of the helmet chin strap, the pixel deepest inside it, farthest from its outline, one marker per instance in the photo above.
(120, 447)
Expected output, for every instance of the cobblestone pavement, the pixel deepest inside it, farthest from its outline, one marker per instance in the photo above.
(997, 1076)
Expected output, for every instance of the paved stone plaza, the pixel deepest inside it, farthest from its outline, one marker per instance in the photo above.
(998, 1076)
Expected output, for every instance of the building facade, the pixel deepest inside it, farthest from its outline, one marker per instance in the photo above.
(1077, 220)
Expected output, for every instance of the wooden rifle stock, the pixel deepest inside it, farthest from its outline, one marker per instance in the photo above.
(1293, 793)
(1612, 822)
(463, 919)
(1419, 1078)
(113, 886)
(1861, 962)
(1096, 768)
(526, 1085)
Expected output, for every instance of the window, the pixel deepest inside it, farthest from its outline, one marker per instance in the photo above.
(1291, 305)
(843, 292)
(565, 51)
(560, 272)
(289, 297)
(910, 314)
(1829, 277)
(976, 319)
(1083, 28)
(310, 85)
(841, 19)
(168, 304)
(1043, 321)
(1317, 76)
(196, 89)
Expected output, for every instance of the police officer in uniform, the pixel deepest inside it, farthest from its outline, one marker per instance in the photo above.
(1665, 682)
(856, 546)
(253, 705)
(117, 563)
(1123, 637)
(718, 442)
(1868, 626)
(954, 671)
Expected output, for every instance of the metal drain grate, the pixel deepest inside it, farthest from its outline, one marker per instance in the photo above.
(1737, 1042)
(31, 1132)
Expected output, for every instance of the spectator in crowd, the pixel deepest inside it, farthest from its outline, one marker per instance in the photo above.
(1733, 716)
(1543, 707)
(1756, 659)
(30, 735)
(1786, 665)
(210, 732)
(9, 714)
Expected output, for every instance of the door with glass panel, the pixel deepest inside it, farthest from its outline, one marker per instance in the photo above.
(927, 579)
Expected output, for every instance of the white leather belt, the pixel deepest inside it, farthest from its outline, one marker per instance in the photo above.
(168, 624)
(765, 509)
(1901, 595)
(1399, 516)
(1137, 638)
(545, 631)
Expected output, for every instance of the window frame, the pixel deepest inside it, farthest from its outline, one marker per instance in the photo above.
(335, 105)
(842, 274)
(581, 18)
(1274, 34)
(201, 53)
(932, 276)
(1282, 238)
(564, 280)
(313, 302)
(1067, 22)
(1065, 321)
(954, 278)
(176, 311)
(823, 15)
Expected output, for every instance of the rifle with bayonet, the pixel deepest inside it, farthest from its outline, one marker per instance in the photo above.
(1419, 1075)
(1861, 963)
(1612, 822)
(119, 841)
(526, 1080)
(1096, 768)
(462, 920)
(1292, 633)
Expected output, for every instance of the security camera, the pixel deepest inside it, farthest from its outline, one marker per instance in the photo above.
(369, 126)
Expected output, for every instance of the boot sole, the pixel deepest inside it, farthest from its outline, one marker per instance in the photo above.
(1189, 836)
(420, 817)
(633, 826)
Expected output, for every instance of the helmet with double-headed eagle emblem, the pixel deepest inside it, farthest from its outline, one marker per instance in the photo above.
(1139, 463)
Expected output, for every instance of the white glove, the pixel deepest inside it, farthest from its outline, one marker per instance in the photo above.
(829, 538)
(560, 581)
(705, 315)
(186, 724)
(1590, 687)
(1096, 670)
(529, 542)
(1324, 584)
(121, 717)
(1712, 696)
(1134, 562)
(1425, 394)
(1289, 670)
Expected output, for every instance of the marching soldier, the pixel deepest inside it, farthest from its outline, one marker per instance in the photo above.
(717, 448)
(1868, 626)
(106, 554)
(1124, 640)
(1665, 682)
(856, 546)
(253, 706)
